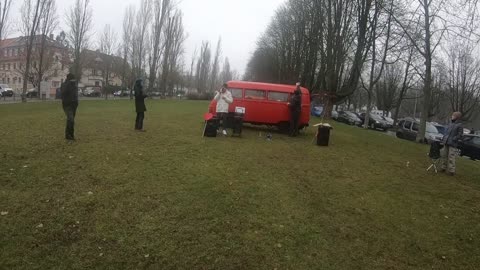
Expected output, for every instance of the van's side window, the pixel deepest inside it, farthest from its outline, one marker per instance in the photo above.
(255, 94)
(277, 96)
(236, 93)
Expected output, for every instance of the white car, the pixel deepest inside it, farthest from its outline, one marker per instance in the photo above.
(5, 90)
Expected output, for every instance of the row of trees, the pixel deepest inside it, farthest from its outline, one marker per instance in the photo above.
(382, 52)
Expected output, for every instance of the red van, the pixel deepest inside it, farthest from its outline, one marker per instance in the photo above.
(266, 104)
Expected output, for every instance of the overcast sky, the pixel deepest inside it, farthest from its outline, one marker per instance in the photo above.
(238, 22)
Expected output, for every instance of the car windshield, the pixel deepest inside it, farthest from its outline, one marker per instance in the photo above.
(351, 114)
(431, 128)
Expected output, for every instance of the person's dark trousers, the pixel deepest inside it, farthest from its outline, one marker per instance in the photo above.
(294, 122)
(139, 121)
(223, 118)
(70, 111)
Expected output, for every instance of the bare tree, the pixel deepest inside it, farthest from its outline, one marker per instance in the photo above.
(162, 9)
(426, 24)
(4, 12)
(216, 65)
(127, 33)
(48, 23)
(226, 74)
(32, 12)
(462, 72)
(141, 36)
(203, 67)
(175, 38)
(79, 20)
(108, 46)
(376, 75)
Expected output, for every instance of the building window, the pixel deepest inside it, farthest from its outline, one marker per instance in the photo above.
(9, 66)
(14, 65)
(97, 83)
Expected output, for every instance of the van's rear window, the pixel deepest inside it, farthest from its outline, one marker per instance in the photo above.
(255, 94)
(277, 96)
(236, 93)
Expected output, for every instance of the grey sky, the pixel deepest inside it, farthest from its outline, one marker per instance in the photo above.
(238, 22)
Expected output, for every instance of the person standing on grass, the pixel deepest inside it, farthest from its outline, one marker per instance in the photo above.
(69, 92)
(450, 141)
(295, 106)
(224, 99)
(139, 105)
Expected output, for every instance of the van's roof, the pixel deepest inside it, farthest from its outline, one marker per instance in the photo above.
(265, 86)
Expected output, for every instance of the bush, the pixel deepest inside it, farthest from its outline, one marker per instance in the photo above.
(200, 96)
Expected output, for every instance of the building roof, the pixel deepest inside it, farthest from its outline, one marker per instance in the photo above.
(21, 41)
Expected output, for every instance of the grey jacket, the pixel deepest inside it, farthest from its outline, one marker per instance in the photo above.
(454, 134)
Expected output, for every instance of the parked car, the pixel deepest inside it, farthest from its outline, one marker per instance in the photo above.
(441, 128)
(349, 118)
(121, 93)
(408, 130)
(470, 147)
(334, 115)
(32, 93)
(92, 92)
(6, 91)
(266, 104)
(389, 120)
(375, 122)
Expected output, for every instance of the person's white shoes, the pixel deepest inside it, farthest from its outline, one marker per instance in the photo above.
(224, 132)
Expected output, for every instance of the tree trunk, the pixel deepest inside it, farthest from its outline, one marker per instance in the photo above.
(427, 91)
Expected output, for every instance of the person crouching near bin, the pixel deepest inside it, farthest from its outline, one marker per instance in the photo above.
(224, 99)
(450, 141)
(295, 106)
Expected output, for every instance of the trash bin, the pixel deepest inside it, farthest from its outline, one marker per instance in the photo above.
(323, 135)
(237, 124)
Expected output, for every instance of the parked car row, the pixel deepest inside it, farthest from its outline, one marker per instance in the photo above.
(375, 122)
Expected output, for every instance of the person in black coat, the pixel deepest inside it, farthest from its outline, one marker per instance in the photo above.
(295, 106)
(69, 93)
(139, 105)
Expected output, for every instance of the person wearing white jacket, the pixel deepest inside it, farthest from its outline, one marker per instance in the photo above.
(224, 99)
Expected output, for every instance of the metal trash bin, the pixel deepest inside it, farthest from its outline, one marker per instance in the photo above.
(323, 135)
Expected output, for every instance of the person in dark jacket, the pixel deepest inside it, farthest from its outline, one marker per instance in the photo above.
(295, 106)
(139, 105)
(450, 141)
(69, 93)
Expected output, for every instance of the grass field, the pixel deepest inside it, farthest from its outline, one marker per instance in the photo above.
(169, 199)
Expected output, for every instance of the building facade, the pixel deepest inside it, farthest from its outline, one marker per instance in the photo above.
(55, 64)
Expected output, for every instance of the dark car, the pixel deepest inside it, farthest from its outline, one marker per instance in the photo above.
(349, 118)
(470, 147)
(375, 122)
(32, 93)
(408, 129)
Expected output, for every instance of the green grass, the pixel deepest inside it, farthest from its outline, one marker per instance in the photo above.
(169, 199)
